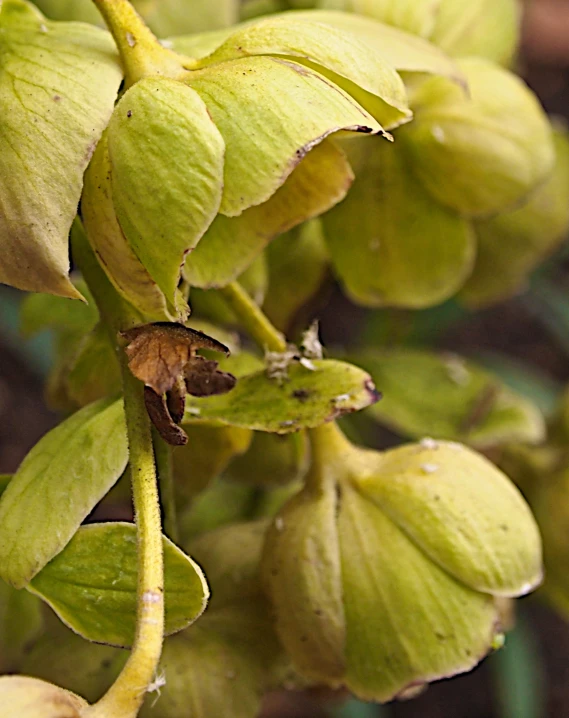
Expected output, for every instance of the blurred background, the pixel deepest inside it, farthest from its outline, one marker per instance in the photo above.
(525, 338)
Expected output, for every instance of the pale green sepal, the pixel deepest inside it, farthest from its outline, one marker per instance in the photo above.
(284, 110)
(307, 399)
(59, 81)
(448, 397)
(462, 511)
(407, 621)
(64, 658)
(20, 623)
(333, 52)
(480, 153)
(385, 237)
(414, 16)
(320, 180)
(482, 28)
(91, 584)
(511, 245)
(25, 697)
(404, 51)
(164, 125)
(301, 572)
(101, 227)
(59, 482)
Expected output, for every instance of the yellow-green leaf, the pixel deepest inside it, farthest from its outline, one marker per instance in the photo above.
(448, 397)
(59, 482)
(391, 244)
(58, 85)
(308, 398)
(20, 623)
(91, 584)
(413, 16)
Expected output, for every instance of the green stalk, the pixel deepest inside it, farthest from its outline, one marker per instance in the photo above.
(163, 453)
(252, 318)
(141, 53)
(126, 695)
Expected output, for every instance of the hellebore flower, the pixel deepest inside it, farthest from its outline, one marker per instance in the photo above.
(238, 142)
(384, 570)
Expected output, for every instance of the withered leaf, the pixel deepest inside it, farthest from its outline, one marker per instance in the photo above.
(203, 378)
(160, 417)
(159, 352)
(176, 400)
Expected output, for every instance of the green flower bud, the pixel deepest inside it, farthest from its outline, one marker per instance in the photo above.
(482, 28)
(482, 151)
(511, 245)
(383, 571)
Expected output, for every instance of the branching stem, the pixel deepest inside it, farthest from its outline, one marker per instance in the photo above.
(254, 321)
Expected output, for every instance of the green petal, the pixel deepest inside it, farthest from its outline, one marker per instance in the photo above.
(123, 268)
(320, 180)
(59, 82)
(404, 51)
(307, 399)
(448, 397)
(385, 238)
(164, 125)
(362, 71)
(407, 621)
(478, 153)
(91, 584)
(482, 28)
(463, 512)
(414, 16)
(284, 110)
(511, 245)
(59, 482)
(302, 576)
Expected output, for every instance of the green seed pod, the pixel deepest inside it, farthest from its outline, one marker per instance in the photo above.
(383, 571)
(482, 28)
(482, 151)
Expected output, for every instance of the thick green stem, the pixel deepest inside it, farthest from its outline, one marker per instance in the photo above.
(163, 453)
(141, 53)
(126, 695)
(332, 455)
(252, 318)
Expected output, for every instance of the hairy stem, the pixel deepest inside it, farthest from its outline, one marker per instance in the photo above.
(126, 695)
(163, 453)
(252, 318)
(141, 53)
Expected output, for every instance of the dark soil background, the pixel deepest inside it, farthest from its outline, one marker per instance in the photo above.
(514, 328)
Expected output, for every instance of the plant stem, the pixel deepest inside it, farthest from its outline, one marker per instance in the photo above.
(252, 318)
(126, 695)
(141, 53)
(163, 453)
